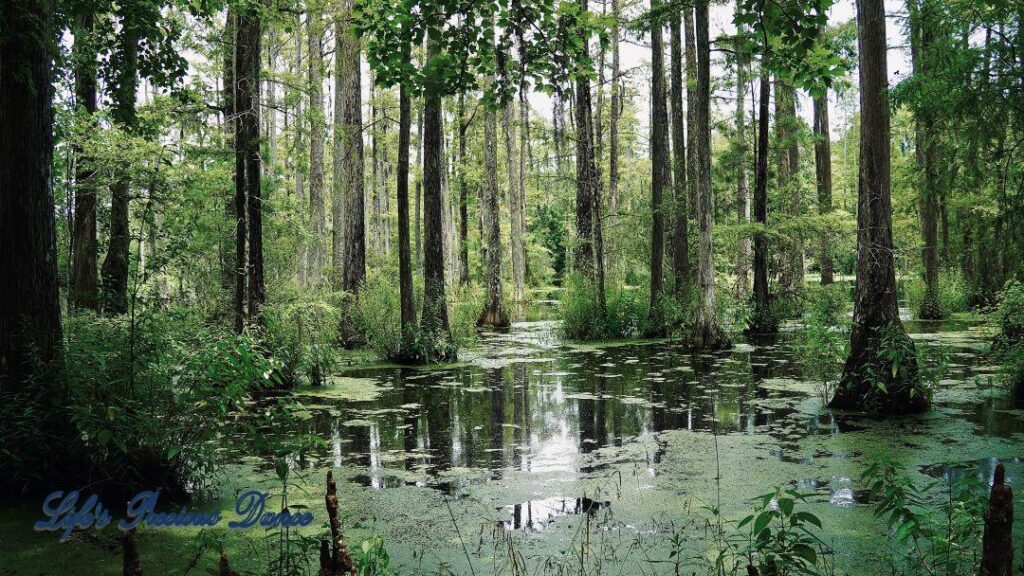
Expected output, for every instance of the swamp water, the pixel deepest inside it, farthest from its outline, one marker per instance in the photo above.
(538, 453)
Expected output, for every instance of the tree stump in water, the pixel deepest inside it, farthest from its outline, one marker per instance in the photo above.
(130, 565)
(997, 555)
(341, 560)
(224, 567)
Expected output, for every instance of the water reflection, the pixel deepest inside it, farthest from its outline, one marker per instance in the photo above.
(552, 409)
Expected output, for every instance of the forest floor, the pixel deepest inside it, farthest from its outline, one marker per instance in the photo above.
(560, 453)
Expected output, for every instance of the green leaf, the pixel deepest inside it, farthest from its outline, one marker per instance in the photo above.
(806, 552)
(807, 517)
(763, 519)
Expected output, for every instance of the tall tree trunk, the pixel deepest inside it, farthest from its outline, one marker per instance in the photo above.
(742, 189)
(583, 260)
(337, 274)
(762, 321)
(408, 304)
(229, 266)
(613, 133)
(247, 145)
(691, 108)
(375, 122)
(515, 211)
(352, 155)
(871, 380)
(796, 252)
(418, 207)
(494, 313)
(707, 332)
(520, 195)
(270, 126)
(823, 170)
(787, 160)
(926, 151)
(30, 325)
(300, 152)
(435, 304)
(681, 252)
(660, 164)
(463, 196)
(240, 198)
(317, 214)
(115, 265)
(84, 294)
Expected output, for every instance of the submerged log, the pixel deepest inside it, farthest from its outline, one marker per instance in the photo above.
(326, 564)
(224, 568)
(130, 561)
(997, 555)
(341, 560)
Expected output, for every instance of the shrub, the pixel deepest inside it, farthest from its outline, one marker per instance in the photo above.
(377, 318)
(824, 345)
(144, 401)
(302, 330)
(377, 314)
(1011, 313)
(625, 316)
(1009, 343)
(943, 533)
(954, 293)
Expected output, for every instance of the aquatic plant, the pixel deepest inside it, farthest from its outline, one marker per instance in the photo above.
(825, 343)
(928, 533)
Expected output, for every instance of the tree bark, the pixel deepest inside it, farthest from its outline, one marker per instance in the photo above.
(229, 266)
(660, 164)
(494, 313)
(115, 265)
(30, 325)
(317, 215)
(337, 270)
(823, 170)
(762, 321)
(352, 156)
(927, 154)
(84, 291)
(613, 134)
(707, 332)
(583, 260)
(787, 158)
(300, 151)
(435, 305)
(681, 252)
(691, 108)
(520, 202)
(742, 189)
(870, 380)
(247, 146)
(515, 210)
(408, 304)
(463, 196)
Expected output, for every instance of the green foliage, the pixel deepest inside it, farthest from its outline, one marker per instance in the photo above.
(302, 329)
(953, 293)
(376, 316)
(926, 527)
(1009, 343)
(783, 539)
(627, 314)
(372, 558)
(825, 342)
(1011, 314)
(145, 402)
(760, 318)
(904, 369)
